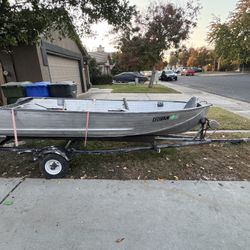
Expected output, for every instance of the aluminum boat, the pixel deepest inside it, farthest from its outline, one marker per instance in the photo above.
(75, 118)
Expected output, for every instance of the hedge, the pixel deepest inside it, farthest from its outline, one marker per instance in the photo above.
(102, 79)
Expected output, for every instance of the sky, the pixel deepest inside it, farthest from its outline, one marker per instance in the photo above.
(210, 8)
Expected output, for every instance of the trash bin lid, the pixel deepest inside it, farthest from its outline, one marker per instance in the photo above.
(63, 84)
(38, 84)
(15, 84)
(67, 82)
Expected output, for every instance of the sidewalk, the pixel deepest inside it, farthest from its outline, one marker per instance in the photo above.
(223, 74)
(132, 215)
(238, 107)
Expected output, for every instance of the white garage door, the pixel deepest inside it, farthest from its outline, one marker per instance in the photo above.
(63, 69)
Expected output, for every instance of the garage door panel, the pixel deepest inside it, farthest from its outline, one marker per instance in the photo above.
(64, 69)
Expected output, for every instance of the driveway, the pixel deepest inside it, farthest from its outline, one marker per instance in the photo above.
(102, 214)
(232, 86)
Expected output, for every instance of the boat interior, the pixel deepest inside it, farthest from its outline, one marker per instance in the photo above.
(92, 105)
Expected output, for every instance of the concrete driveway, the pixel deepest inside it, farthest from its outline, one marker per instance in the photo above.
(94, 214)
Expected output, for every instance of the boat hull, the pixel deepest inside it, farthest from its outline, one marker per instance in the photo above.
(44, 123)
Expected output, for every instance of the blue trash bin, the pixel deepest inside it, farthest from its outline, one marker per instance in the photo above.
(37, 89)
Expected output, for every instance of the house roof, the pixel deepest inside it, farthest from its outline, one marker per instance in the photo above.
(101, 57)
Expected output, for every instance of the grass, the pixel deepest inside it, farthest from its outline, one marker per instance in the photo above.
(228, 120)
(139, 88)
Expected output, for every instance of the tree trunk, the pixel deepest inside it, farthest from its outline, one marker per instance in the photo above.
(243, 67)
(152, 78)
(218, 66)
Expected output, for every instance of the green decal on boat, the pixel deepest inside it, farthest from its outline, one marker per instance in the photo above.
(173, 117)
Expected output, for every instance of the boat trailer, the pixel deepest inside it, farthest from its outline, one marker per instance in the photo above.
(54, 161)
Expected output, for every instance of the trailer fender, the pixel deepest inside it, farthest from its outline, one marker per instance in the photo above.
(52, 150)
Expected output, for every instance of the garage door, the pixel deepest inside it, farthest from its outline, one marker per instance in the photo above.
(63, 69)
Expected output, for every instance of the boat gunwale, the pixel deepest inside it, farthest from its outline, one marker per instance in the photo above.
(12, 106)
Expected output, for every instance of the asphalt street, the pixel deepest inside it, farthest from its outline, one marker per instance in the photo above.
(232, 86)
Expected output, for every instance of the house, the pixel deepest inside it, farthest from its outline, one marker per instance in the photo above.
(103, 60)
(61, 59)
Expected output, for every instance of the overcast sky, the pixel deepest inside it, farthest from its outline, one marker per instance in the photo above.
(210, 8)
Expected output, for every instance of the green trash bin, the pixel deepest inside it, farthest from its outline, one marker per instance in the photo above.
(11, 100)
(14, 90)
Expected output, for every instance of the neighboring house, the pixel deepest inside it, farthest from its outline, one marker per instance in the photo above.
(62, 59)
(103, 60)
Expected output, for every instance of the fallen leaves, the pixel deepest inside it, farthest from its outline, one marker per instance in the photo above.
(205, 178)
(120, 240)
(83, 177)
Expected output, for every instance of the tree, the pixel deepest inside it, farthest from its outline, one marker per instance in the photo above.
(173, 59)
(192, 60)
(94, 69)
(200, 57)
(183, 55)
(162, 27)
(232, 38)
(24, 22)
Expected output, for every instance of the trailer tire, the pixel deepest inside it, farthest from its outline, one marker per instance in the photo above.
(53, 166)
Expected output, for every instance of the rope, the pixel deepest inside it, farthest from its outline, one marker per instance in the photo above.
(86, 130)
(14, 126)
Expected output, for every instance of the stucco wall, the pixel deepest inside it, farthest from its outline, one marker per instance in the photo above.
(65, 42)
(27, 64)
(7, 65)
(44, 69)
(22, 64)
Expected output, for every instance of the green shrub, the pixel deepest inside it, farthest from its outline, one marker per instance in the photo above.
(102, 79)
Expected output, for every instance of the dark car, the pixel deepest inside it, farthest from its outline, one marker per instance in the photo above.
(129, 77)
(168, 75)
(196, 69)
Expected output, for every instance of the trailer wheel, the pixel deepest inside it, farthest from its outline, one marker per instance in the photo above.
(53, 166)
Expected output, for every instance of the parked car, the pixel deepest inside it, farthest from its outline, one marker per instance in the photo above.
(168, 75)
(125, 77)
(147, 73)
(187, 72)
(196, 69)
(177, 71)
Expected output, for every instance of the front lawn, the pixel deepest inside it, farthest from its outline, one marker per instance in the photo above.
(138, 88)
(228, 120)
